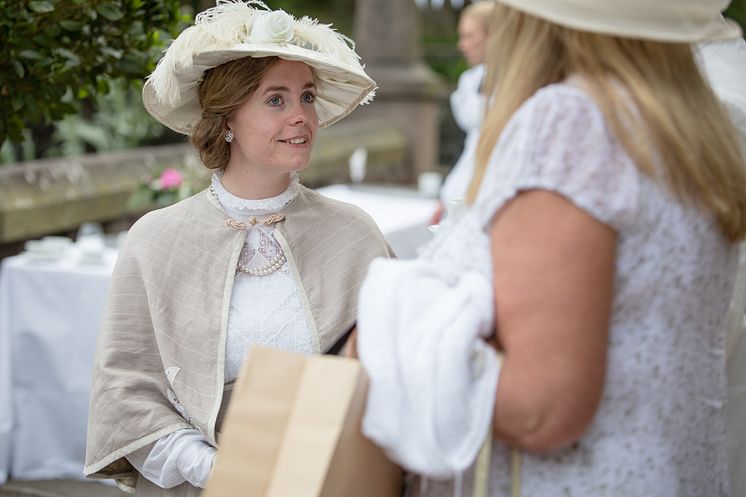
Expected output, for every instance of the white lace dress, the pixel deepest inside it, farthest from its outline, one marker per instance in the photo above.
(659, 430)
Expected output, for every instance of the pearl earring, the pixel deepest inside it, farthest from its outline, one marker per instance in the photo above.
(229, 136)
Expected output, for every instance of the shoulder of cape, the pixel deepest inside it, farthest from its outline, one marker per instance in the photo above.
(317, 205)
(167, 221)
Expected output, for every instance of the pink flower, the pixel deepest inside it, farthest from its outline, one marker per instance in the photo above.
(170, 178)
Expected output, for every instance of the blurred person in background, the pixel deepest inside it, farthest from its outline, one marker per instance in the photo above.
(467, 101)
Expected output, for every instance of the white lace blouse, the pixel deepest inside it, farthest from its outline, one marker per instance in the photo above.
(659, 430)
(264, 310)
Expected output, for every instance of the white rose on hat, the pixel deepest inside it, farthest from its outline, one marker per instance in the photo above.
(272, 27)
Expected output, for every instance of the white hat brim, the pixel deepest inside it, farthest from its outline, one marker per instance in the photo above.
(339, 87)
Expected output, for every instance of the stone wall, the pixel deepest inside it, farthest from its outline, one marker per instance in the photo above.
(54, 196)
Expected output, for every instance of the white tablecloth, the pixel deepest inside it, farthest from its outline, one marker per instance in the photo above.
(50, 313)
(402, 214)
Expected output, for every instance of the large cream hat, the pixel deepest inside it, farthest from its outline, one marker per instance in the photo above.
(685, 21)
(235, 29)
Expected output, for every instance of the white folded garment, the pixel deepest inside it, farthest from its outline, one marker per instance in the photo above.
(433, 379)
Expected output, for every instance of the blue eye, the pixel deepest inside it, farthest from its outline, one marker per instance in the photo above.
(275, 101)
(308, 98)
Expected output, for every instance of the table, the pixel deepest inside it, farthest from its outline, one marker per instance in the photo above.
(402, 213)
(50, 313)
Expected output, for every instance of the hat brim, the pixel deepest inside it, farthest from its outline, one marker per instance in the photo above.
(618, 18)
(339, 87)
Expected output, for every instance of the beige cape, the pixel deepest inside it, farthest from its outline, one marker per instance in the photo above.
(160, 357)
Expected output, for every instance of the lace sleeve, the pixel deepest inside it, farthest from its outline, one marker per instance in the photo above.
(183, 455)
(558, 141)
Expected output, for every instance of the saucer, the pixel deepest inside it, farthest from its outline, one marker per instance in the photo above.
(92, 258)
(42, 256)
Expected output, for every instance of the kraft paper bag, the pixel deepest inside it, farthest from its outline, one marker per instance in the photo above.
(293, 429)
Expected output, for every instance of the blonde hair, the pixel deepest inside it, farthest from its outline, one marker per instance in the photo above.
(683, 130)
(481, 10)
(222, 90)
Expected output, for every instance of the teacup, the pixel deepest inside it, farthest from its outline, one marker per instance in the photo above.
(56, 242)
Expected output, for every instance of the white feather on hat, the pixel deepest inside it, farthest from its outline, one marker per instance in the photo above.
(234, 29)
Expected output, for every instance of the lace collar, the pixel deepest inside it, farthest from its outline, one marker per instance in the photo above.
(241, 208)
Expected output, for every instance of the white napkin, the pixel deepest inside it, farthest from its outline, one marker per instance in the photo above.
(432, 378)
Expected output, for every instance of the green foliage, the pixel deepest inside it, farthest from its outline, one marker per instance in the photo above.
(737, 12)
(339, 13)
(440, 43)
(27, 151)
(56, 54)
(450, 69)
(120, 122)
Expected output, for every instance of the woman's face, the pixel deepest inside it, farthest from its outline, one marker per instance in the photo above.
(275, 127)
(472, 39)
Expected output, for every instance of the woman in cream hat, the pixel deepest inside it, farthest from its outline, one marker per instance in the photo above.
(255, 259)
(607, 205)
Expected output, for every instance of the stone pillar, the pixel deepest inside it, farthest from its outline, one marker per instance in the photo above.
(388, 39)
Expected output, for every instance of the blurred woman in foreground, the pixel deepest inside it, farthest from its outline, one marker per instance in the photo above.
(608, 201)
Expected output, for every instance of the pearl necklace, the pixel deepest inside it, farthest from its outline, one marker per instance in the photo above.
(271, 266)
(266, 269)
